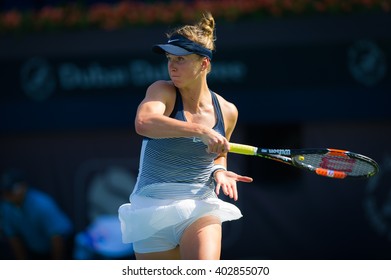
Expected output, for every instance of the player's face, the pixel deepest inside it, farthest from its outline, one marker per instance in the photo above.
(184, 69)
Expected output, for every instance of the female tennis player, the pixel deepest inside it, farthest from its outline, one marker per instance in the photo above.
(174, 210)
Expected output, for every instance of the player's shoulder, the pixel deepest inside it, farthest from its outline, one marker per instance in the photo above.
(163, 91)
(227, 106)
(161, 85)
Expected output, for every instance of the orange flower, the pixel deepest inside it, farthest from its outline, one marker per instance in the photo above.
(51, 14)
(11, 19)
(127, 13)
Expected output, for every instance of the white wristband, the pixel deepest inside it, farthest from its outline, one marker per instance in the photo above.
(217, 167)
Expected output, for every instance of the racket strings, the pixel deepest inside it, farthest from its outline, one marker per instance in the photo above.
(350, 166)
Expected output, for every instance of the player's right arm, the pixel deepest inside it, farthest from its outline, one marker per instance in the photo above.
(153, 121)
(152, 117)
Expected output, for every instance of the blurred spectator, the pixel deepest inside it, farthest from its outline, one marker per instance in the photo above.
(102, 239)
(33, 224)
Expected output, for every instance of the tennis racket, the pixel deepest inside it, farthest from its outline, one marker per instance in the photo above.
(331, 163)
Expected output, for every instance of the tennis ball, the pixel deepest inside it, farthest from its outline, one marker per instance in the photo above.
(301, 157)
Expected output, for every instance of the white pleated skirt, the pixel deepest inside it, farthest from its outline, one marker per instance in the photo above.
(145, 216)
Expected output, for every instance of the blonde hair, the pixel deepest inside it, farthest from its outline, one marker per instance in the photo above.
(202, 33)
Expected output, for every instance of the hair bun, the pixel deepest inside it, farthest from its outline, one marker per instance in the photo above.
(207, 25)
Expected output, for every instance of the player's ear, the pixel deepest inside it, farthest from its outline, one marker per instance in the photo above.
(205, 63)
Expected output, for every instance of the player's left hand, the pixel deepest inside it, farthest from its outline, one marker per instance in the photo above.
(226, 181)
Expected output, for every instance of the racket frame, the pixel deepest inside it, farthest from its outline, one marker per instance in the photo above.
(292, 157)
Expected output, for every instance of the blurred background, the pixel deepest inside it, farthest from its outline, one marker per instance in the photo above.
(302, 74)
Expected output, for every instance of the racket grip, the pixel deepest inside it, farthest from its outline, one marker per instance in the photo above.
(242, 149)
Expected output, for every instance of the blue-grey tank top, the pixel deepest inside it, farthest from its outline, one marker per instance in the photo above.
(177, 163)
